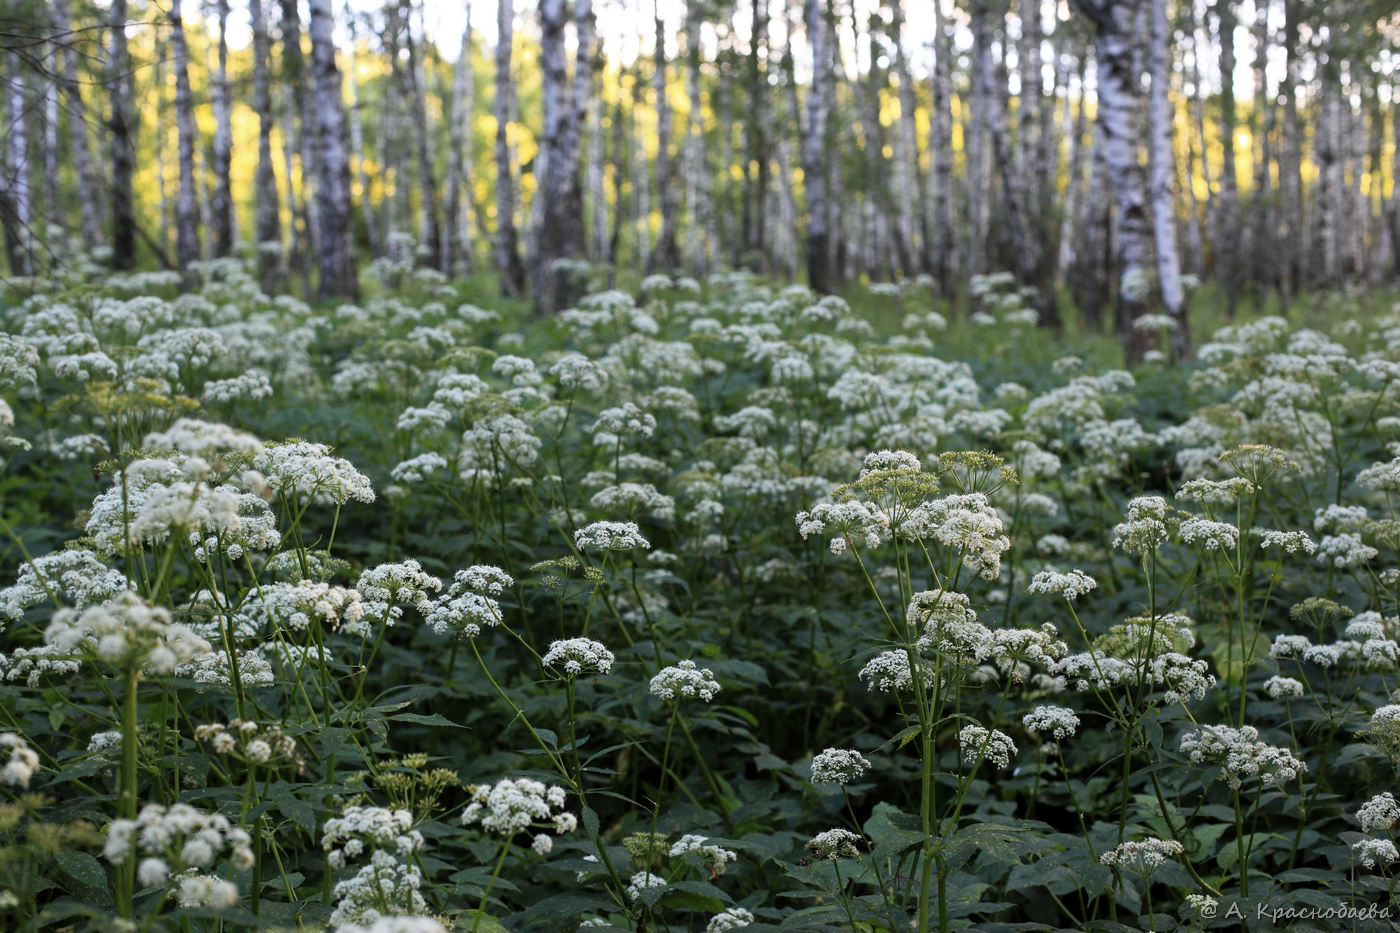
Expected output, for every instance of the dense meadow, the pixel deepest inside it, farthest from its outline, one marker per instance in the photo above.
(702, 606)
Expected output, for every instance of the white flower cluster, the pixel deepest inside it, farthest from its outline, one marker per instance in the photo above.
(125, 629)
(77, 577)
(247, 740)
(716, 858)
(731, 918)
(21, 763)
(1373, 852)
(610, 536)
(838, 766)
(643, 881)
(848, 520)
(359, 829)
(684, 681)
(978, 744)
(834, 845)
(967, 525)
(1059, 721)
(1240, 755)
(389, 586)
(573, 656)
(1069, 586)
(302, 470)
(294, 606)
(183, 844)
(513, 805)
(385, 881)
(1143, 856)
(1381, 813)
(469, 604)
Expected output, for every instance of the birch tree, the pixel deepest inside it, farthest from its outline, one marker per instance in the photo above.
(814, 150)
(186, 202)
(123, 154)
(334, 206)
(221, 202)
(267, 222)
(1163, 167)
(509, 267)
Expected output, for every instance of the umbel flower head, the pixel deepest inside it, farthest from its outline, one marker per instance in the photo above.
(126, 630)
(834, 845)
(838, 766)
(684, 681)
(1143, 856)
(513, 805)
(992, 745)
(1240, 755)
(571, 657)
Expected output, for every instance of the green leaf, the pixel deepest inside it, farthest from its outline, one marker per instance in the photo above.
(481, 921)
(430, 719)
(893, 831)
(84, 869)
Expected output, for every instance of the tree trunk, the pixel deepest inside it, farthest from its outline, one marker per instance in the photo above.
(297, 130)
(267, 222)
(84, 173)
(756, 168)
(334, 204)
(558, 238)
(186, 202)
(430, 235)
(697, 167)
(123, 149)
(1118, 119)
(458, 177)
(357, 146)
(941, 259)
(1163, 164)
(815, 152)
(667, 254)
(18, 213)
(508, 263)
(1227, 236)
(221, 203)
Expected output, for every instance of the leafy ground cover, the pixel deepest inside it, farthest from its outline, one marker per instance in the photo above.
(703, 607)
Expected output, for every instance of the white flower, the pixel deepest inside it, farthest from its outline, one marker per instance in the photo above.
(1069, 586)
(1058, 720)
(732, 918)
(838, 766)
(1283, 688)
(1381, 812)
(834, 844)
(308, 471)
(643, 881)
(610, 536)
(513, 805)
(1373, 852)
(21, 763)
(978, 744)
(1143, 857)
(685, 681)
(573, 656)
(1240, 755)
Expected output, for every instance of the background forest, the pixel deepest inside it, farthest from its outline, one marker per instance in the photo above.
(1098, 150)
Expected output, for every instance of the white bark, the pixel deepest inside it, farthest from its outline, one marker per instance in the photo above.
(508, 264)
(186, 201)
(1163, 164)
(334, 203)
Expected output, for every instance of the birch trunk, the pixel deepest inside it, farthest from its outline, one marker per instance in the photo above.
(221, 202)
(756, 180)
(334, 204)
(815, 153)
(186, 202)
(357, 145)
(459, 136)
(941, 259)
(123, 204)
(267, 222)
(697, 169)
(508, 265)
(430, 234)
(1163, 163)
(296, 128)
(19, 239)
(1119, 109)
(667, 254)
(1227, 235)
(85, 176)
(558, 237)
